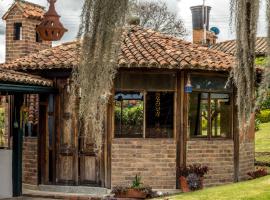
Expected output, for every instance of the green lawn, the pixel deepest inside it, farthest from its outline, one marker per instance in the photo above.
(258, 189)
(263, 138)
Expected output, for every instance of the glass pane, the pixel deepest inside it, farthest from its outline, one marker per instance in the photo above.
(128, 114)
(142, 81)
(210, 83)
(159, 114)
(198, 114)
(220, 115)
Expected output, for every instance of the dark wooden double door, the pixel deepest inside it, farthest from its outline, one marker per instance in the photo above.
(66, 156)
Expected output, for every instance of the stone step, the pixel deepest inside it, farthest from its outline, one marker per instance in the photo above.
(65, 192)
(97, 191)
(36, 194)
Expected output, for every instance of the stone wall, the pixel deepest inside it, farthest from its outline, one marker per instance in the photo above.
(30, 161)
(218, 155)
(153, 159)
(246, 159)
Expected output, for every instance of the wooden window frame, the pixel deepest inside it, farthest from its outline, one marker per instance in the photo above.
(209, 136)
(114, 136)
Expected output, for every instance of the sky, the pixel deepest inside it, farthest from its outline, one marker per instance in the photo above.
(70, 16)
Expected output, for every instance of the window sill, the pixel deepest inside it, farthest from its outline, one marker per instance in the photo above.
(208, 139)
(124, 138)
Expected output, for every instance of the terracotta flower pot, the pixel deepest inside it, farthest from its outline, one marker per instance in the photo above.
(132, 193)
(136, 194)
(201, 182)
(184, 184)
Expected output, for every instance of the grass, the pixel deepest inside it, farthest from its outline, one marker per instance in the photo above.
(262, 142)
(257, 189)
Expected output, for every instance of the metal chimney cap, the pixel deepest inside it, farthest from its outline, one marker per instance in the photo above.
(200, 7)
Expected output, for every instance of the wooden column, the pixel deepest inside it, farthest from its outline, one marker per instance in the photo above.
(17, 147)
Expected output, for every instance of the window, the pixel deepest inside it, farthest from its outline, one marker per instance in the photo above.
(38, 38)
(144, 105)
(129, 114)
(18, 31)
(210, 108)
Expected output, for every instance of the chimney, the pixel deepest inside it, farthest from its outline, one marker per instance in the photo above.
(200, 16)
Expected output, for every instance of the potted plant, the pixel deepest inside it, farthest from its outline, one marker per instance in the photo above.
(137, 190)
(191, 177)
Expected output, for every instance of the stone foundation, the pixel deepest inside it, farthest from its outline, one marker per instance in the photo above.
(153, 159)
(30, 161)
(218, 155)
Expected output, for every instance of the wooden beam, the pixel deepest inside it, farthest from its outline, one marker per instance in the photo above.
(17, 147)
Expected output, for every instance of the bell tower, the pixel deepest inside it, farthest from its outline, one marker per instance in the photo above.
(22, 18)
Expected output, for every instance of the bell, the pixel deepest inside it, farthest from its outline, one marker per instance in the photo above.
(51, 29)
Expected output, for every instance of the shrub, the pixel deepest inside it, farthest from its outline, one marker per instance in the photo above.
(264, 116)
(258, 173)
(193, 169)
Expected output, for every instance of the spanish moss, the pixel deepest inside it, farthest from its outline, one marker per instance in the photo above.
(100, 31)
(246, 18)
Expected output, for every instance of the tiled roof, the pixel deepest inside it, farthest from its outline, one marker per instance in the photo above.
(140, 48)
(230, 46)
(29, 10)
(11, 76)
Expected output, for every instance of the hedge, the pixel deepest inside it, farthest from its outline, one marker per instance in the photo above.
(264, 116)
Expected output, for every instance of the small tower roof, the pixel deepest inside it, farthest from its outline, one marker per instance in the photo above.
(29, 10)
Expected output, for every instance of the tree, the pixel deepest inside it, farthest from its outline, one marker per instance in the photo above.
(156, 15)
(245, 13)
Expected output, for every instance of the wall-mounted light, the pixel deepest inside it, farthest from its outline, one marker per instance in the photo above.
(188, 86)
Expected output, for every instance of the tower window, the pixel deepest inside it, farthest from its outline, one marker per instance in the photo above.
(18, 31)
(38, 38)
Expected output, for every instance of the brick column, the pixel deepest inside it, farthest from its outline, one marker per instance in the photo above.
(30, 161)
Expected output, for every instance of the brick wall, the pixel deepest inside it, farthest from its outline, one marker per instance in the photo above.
(246, 159)
(28, 44)
(153, 159)
(30, 161)
(198, 37)
(218, 155)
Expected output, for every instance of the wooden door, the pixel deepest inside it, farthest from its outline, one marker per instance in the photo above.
(88, 162)
(76, 160)
(67, 153)
(47, 162)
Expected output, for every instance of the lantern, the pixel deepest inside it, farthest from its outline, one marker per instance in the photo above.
(188, 86)
(51, 29)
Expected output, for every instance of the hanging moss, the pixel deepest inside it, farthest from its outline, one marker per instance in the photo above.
(100, 31)
(246, 18)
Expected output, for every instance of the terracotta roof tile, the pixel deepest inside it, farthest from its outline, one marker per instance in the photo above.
(23, 78)
(140, 48)
(229, 46)
(29, 10)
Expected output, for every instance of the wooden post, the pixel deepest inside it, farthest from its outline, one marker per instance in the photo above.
(17, 147)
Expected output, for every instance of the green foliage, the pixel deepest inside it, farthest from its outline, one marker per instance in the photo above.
(264, 116)
(261, 61)
(266, 103)
(257, 124)
(136, 183)
(130, 115)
